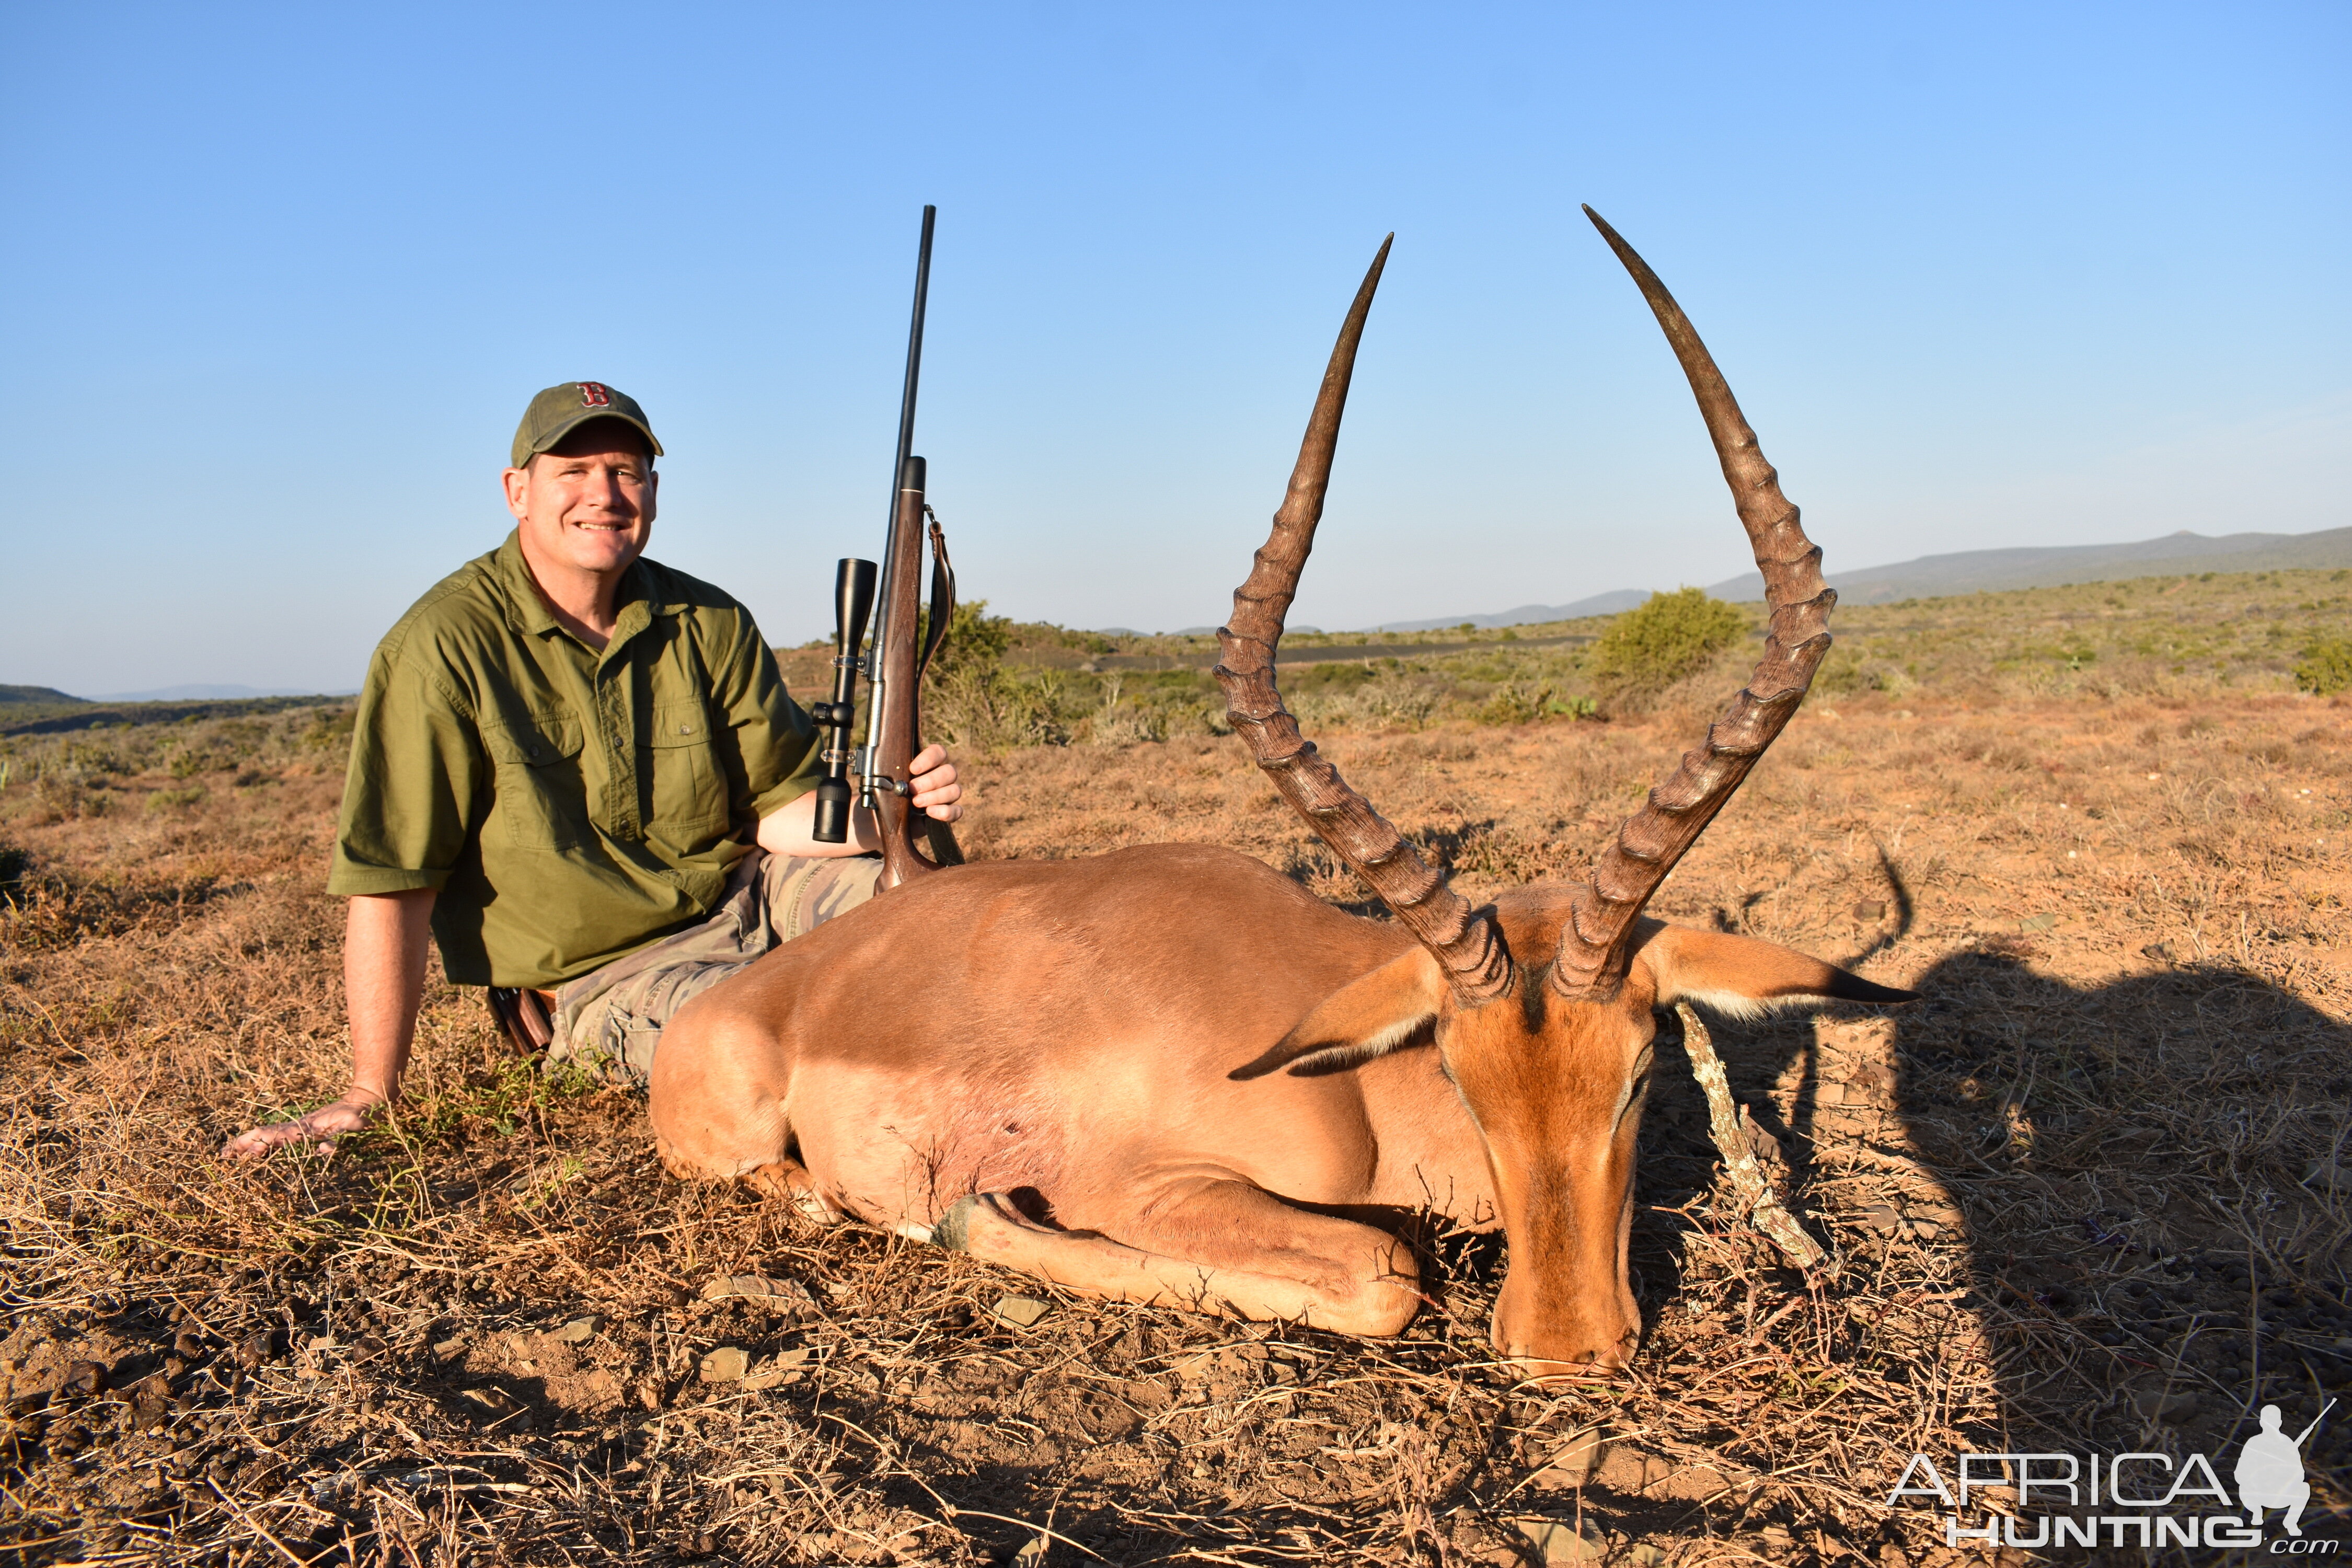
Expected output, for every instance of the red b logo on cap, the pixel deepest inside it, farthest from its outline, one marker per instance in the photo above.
(594, 396)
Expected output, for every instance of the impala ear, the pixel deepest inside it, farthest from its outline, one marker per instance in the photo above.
(1743, 977)
(1364, 1018)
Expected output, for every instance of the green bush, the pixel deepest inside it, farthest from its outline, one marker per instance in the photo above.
(975, 640)
(1649, 647)
(2325, 666)
(1527, 701)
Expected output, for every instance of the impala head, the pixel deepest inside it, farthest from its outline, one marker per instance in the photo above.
(1543, 1005)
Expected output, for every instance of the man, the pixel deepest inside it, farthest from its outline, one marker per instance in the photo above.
(580, 771)
(2270, 1472)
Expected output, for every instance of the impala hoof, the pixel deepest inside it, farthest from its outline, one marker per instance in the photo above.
(953, 1230)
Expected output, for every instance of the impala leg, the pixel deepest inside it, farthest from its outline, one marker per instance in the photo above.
(790, 1180)
(1219, 1247)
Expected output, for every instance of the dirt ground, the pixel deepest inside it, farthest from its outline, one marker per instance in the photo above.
(2090, 1194)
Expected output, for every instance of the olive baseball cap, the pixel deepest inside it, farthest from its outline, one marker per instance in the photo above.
(560, 410)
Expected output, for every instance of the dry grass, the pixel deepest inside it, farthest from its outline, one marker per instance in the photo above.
(2087, 1195)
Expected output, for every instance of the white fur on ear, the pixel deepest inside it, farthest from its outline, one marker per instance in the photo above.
(1351, 1053)
(1732, 1004)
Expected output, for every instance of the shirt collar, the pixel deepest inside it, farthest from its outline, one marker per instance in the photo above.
(526, 609)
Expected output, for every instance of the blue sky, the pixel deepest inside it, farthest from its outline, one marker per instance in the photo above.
(278, 282)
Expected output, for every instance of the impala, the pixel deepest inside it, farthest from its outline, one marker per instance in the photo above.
(1169, 1074)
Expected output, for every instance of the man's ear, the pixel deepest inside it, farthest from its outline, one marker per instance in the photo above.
(1741, 976)
(1363, 1020)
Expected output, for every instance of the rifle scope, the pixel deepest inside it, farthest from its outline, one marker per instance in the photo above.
(852, 593)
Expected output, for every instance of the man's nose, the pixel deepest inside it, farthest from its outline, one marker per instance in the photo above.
(607, 491)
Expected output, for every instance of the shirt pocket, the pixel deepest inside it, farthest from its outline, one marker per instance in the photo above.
(689, 803)
(540, 797)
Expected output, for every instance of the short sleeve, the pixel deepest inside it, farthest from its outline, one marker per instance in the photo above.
(416, 772)
(776, 745)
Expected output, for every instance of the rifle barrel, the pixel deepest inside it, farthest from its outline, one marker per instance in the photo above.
(914, 359)
(879, 674)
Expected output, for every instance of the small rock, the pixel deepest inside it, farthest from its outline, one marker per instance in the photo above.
(728, 1364)
(769, 1377)
(578, 1331)
(1555, 1541)
(1573, 1462)
(1883, 1218)
(781, 1371)
(1022, 1312)
(1628, 1470)
(1692, 1483)
(450, 1348)
(755, 1285)
(83, 1377)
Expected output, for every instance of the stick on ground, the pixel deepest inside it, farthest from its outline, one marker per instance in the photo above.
(1758, 1202)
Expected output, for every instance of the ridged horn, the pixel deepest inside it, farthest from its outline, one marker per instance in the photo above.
(1603, 910)
(1465, 943)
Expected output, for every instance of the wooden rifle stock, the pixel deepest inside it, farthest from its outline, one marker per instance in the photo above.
(894, 721)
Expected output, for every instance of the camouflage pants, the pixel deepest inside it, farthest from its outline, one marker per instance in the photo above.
(608, 1020)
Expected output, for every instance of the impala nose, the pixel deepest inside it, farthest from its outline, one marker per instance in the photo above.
(1554, 1365)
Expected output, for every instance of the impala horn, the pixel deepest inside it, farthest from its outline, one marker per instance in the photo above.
(1465, 941)
(1594, 942)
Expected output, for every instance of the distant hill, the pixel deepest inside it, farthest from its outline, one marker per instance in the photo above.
(208, 693)
(1607, 603)
(1968, 571)
(59, 714)
(1972, 570)
(47, 696)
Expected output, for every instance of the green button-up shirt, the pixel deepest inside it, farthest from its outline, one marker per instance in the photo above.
(570, 806)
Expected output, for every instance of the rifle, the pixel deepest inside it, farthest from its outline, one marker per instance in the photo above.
(894, 667)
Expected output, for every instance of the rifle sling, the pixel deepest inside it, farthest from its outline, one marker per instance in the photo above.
(942, 597)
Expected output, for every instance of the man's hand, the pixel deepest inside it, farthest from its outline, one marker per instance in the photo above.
(384, 939)
(935, 789)
(320, 1128)
(791, 828)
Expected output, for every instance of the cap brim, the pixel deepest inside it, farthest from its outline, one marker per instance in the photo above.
(589, 415)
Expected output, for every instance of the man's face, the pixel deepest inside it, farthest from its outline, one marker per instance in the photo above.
(588, 503)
